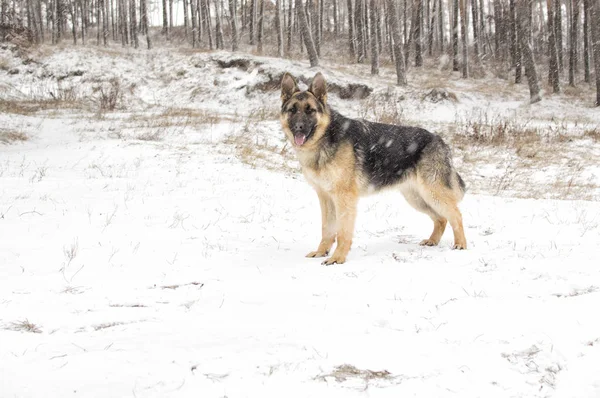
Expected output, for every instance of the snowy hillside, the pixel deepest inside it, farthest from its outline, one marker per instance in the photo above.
(157, 249)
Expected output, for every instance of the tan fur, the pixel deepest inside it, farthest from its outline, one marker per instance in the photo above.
(444, 202)
(328, 223)
(337, 187)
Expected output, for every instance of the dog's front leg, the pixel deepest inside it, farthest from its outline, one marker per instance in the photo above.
(328, 226)
(345, 209)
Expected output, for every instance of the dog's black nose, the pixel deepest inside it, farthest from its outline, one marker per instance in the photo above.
(299, 126)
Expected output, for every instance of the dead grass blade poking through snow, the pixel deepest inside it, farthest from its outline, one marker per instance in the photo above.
(347, 372)
(24, 326)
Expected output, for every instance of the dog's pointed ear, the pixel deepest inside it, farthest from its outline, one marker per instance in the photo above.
(318, 87)
(288, 87)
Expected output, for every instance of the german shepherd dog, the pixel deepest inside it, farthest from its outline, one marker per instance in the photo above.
(344, 159)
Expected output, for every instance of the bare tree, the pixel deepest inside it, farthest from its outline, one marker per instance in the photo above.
(524, 28)
(586, 41)
(146, 24)
(351, 35)
(441, 26)
(430, 34)
(165, 14)
(336, 30)
(233, 23)
(359, 28)
(261, 24)
(595, 16)
(476, 33)
(464, 34)
(185, 19)
(573, 43)
(455, 35)
(553, 73)
(194, 22)
(417, 33)
(308, 41)
(558, 33)
(4, 12)
(207, 22)
(290, 25)
(498, 30)
(374, 44)
(253, 9)
(170, 15)
(397, 38)
(124, 17)
(133, 25)
(278, 28)
(105, 21)
(218, 30)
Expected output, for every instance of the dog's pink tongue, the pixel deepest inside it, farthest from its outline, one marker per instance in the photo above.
(299, 139)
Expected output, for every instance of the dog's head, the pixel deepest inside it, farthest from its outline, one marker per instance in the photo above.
(304, 114)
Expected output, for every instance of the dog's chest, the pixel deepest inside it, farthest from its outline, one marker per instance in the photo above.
(332, 178)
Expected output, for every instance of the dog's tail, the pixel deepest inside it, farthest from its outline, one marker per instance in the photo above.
(462, 187)
(461, 183)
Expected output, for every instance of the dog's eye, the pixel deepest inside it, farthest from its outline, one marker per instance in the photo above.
(309, 110)
(293, 110)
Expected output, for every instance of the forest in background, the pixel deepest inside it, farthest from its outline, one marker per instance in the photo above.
(523, 41)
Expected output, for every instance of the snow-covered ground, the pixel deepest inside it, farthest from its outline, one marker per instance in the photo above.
(154, 251)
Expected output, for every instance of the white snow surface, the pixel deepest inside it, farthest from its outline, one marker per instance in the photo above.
(169, 268)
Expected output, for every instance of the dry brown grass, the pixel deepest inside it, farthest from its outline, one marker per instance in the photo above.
(24, 326)
(344, 372)
(150, 136)
(382, 109)
(515, 134)
(12, 136)
(255, 150)
(29, 107)
(177, 117)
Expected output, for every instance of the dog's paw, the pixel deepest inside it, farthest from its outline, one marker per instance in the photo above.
(318, 253)
(428, 242)
(334, 260)
(459, 246)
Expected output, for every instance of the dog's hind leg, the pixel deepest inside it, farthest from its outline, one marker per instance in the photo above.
(328, 226)
(439, 223)
(444, 201)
